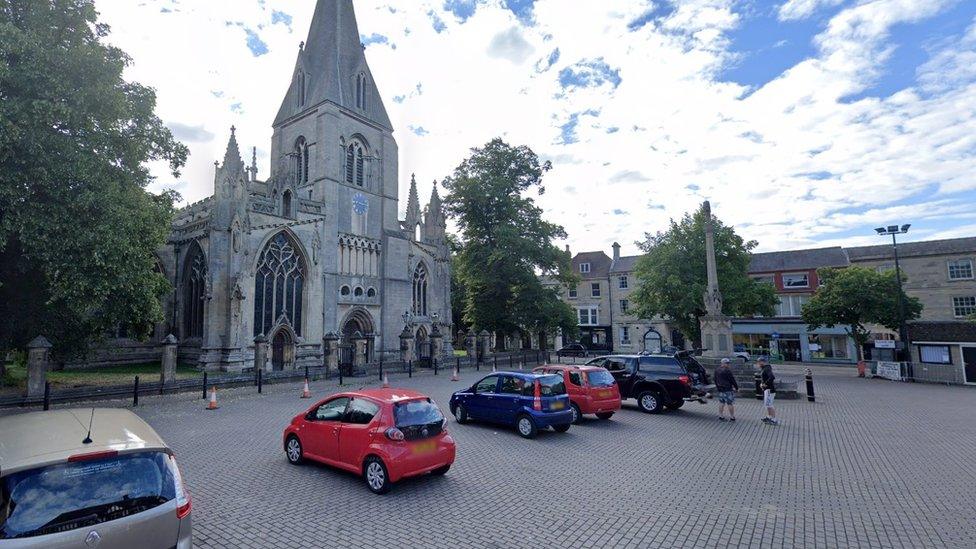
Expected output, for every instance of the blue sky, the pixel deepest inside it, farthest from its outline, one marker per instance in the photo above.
(805, 122)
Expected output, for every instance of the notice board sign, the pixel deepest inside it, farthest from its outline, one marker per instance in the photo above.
(889, 370)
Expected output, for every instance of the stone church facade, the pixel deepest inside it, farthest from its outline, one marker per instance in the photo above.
(316, 249)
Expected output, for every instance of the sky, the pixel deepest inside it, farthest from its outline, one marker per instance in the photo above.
(806, 123)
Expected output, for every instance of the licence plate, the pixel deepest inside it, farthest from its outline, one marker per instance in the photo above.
(604, 394)
(424, 448)
(556, 405)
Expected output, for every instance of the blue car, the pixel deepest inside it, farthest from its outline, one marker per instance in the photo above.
(528, 402)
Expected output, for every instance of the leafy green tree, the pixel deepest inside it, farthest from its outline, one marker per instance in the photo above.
(78, 230)
(505, 244)
(672, 278)
(855, 297)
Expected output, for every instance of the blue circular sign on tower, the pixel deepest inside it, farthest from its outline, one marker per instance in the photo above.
(360, 204)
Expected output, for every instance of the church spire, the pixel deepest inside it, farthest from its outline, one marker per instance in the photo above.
(332, 67)
(413, 205)
(232, 157)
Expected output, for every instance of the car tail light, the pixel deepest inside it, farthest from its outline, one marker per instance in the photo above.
(685, 379)
(92, 455)
(394, 434)
(183, 501)
(537, 398)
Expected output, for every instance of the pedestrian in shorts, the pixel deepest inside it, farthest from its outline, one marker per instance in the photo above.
(726, 387)
(768, 385)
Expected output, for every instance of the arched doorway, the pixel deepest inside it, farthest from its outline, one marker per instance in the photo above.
(282, 350)
(423, 348)
(652, 341)
(358, 320)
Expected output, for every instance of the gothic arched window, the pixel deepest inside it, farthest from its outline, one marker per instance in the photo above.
(278, 285)
(355, 163)
(286, 204)
(361, 91)
(420, 290)
(301, 161)
(194, 291)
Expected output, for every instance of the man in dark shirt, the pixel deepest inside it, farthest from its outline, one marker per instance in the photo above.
(725, 386)
(768, 381)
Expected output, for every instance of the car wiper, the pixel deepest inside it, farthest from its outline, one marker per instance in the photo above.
(59, 522)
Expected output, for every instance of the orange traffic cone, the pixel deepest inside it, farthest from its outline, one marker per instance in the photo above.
(213, 399)
(386, 381)
(305, 392)
(456, 376)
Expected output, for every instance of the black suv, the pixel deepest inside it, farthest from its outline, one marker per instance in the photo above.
(658, 381)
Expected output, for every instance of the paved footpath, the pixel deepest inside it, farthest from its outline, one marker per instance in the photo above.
(870, 464)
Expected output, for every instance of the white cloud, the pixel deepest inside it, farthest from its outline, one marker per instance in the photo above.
(801, 9)
(790, 163)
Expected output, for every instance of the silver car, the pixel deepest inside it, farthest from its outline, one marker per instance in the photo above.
(91, 479)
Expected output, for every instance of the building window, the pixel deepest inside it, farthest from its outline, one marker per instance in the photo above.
(584, 267)
(964, 306)
(934, 354)
(622, 281)
(344, 291)
(371, 292)
(278, 285)
(827, 346)
(420, 290)
(194, 292)
(624, 306)
(595, 289)
(286, 204)
(301, 161)
(358, 292)
(361, 91)
(791, 305)
(625, 335)
(961, 269)
(765, 279)
(588, 317)
(355, 164)
(572, 291)
(796, 280)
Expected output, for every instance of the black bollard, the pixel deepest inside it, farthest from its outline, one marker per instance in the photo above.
(409, 368)
(458, 359)
(135, 392)
(205, 386)
(381, 367)
(340, 375)
(47, 395)
(260, 379)
(759, 391)
(810, 395)
(306, 373)
(435, 366)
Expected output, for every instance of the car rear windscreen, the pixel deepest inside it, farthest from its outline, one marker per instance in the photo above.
(599, 378)
(418, 419)
(67, 496)
(551, 386)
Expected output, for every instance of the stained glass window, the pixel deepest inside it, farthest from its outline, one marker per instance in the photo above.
(194, 291)
(278, 285)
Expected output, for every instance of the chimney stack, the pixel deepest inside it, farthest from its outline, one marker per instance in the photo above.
(616, 252)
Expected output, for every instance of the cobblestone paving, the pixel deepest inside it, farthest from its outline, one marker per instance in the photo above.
(870, 464)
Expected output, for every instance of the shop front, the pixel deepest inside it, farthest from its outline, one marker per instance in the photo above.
(790, 341)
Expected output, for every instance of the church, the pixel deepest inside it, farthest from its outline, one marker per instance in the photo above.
(316, 249)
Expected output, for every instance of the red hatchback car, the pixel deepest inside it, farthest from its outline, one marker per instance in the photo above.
(592, 390)
(383, 434)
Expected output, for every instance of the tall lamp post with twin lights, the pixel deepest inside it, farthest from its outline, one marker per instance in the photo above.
(894, 231)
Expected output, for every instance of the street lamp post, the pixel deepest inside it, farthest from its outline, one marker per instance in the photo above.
(895, 230)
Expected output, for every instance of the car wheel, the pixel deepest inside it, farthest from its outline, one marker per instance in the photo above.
(676, 405)
(460, 414)
(376, 475)
(293, 450)
(605, 415)
(441, 470)
(561, 428)
(577, 415)
(650, 402)
(526, 427)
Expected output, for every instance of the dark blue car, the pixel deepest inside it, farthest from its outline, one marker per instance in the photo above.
(528, 402)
